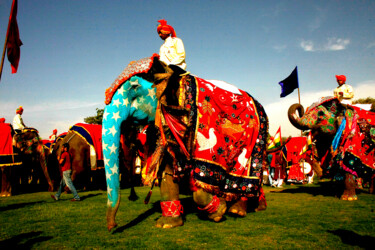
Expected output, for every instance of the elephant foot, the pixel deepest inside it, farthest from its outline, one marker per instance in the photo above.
(347, 197)
(172, 211)
(239, 208)
(344, 197)
(111, 226)
(218, 215)
(5, 194)
(262, 206)
(169, 222)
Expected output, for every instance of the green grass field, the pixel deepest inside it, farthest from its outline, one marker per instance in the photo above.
(297, 217)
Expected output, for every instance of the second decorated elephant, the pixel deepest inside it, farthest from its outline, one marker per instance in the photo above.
(207, 131)
(345, 140)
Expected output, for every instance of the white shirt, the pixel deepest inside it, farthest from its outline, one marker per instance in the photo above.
(18, 122)
(347, 91)
(173, 52)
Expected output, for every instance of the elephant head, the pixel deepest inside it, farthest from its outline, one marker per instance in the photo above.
(133, 100)
(29, 142)
(323, 117)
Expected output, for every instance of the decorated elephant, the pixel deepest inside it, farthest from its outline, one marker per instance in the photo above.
(86, 154)
(29, 146)
(343, 144)
(214, 135)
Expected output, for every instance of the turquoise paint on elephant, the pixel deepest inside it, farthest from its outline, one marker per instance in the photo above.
(136, 98)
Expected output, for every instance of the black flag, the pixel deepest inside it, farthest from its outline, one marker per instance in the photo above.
(289, 84)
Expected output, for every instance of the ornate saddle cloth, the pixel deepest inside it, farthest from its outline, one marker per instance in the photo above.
(230, 140)
(7, 157)
(92, 134)
(134, 68)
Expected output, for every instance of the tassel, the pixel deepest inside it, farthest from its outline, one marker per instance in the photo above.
(147, 199)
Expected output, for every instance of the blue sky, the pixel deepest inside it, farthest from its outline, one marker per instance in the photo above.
(73, 50)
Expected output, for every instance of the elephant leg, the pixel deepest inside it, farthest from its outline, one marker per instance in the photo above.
(214, 206)
(6, 188)
(262, 203)
(170, 203)
(239, 207)
(349, 189)
(372, 183)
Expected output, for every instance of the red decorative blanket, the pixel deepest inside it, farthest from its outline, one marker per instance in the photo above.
(227, 128)
(6, 147)
(92, 134)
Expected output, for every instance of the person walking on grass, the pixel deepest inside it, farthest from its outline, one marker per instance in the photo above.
(66, 170)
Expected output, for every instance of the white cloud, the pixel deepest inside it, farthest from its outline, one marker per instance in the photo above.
(278, 111)
(336, 44)
(332, 44)
(307, 45)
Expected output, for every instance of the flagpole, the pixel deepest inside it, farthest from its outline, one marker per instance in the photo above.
(6, 41)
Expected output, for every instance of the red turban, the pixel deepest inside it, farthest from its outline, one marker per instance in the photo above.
(341, 78)
(19, 110)
(2, 120)
(54, 131)
(165, 28)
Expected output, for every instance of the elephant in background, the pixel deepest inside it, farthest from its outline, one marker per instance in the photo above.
(340, 142)
(87, 163)
(29, 147)
(185, 135)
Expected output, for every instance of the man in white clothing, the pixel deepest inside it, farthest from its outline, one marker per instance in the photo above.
(18, 124)
(344, 92)
(172, 51)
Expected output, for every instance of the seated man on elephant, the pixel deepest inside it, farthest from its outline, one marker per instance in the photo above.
(18, 124)
(344, 92)
(172, 51)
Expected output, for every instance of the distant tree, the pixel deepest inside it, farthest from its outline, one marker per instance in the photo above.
(98, 119)
(367, 100)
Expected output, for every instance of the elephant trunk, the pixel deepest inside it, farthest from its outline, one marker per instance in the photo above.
(43, 164)
(294, 119)
(114, 114)
(111, 215)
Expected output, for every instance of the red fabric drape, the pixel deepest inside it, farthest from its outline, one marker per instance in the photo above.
(14, 42)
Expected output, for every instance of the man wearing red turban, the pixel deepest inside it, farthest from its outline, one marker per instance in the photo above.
(172, 51)
(18, 124)
(53, 136)
(343, 92)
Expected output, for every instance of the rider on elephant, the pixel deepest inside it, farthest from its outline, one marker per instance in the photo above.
(172, 51)
(53, 136)
(18, 124)
(344, 92)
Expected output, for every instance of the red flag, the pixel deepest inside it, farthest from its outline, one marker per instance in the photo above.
(13, 42)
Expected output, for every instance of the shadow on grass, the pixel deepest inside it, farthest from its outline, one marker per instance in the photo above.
(322, 188)
(89, 196)
(354, 239)
(19, 205)
(188, 205)
(139, 219)
(24, 241)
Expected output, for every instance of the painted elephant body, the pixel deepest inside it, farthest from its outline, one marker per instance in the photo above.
(215, 136)
(343, 146)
